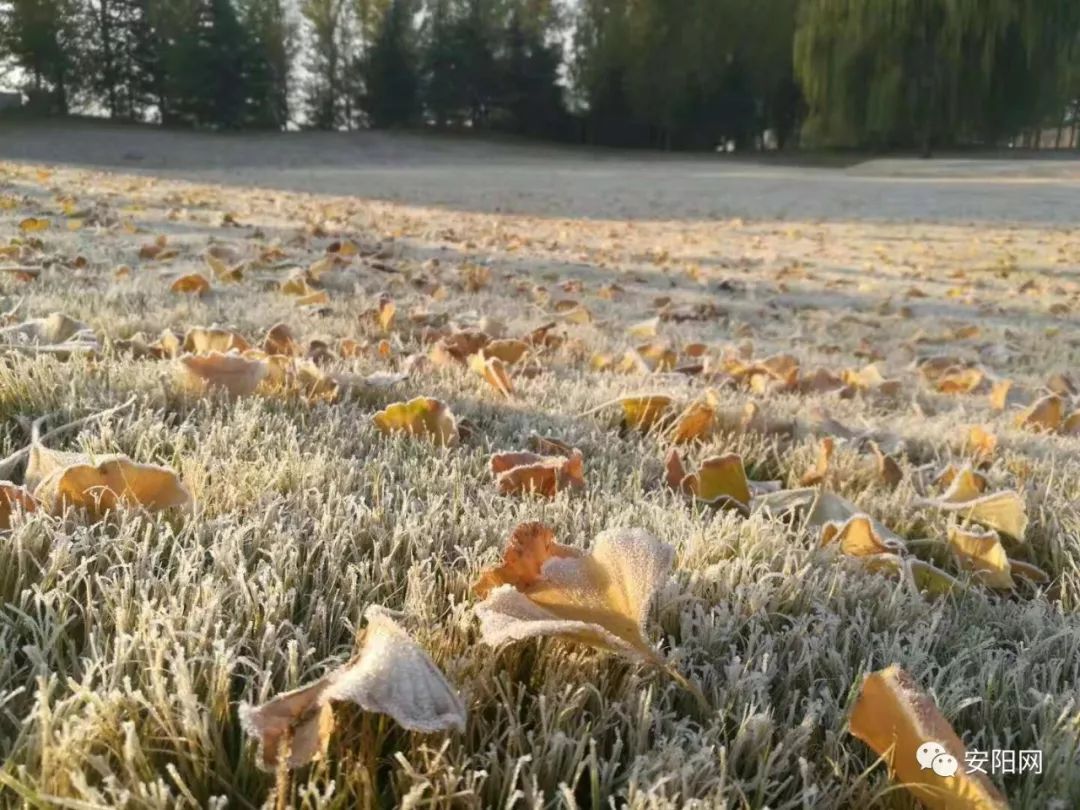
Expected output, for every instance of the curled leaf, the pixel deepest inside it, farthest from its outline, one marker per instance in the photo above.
(391, 674)
(642, 413)
(697, 421)
(191, 284)
(237, 375)
(527, 549)
(281, 340)
(982, 554)
(719, 480)
(423, 416)
(857, 537)
(518, 473)
(899, 722)
(201, 340)
(12, 499)
(600, 598)
(493, 370)
(821, 467)
(102, 485)
(1046, 414)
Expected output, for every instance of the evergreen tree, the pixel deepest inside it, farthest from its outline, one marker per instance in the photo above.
(388, 70)
(43, 39)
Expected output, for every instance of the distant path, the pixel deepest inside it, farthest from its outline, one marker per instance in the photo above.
(474, 175)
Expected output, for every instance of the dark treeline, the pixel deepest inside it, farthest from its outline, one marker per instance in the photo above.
(661, 73)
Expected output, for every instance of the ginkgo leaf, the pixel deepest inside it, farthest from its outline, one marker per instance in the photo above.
(857, 537)
(201, 340)
(899, 722)
(222, 271)
(958, 380)
(929, 579)
(237, 375)
(391, 674)
(983, 555)
(101, 485)
(719, 480)
(1004, 511)
(34, 224)
(963, 484)
(493, 371)
(423, 416)
(14, 498)
(1045, 414)
(601, 598)
(821, 466)
(191, 284)
(529, 546)
(508, 351)
(697, 421)
(642, 413)
(980, 442)
(518, 473)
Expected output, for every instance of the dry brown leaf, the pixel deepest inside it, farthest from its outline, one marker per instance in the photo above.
(697, 421)
(719, 480)
(601, 598)
(1046, 414)
(281, 340)
(958, 380)
(899, 722)
(191, 284)
(507, 350)
(821, 467)
(888, 468)
(529, 473)
(391, 674)
(237, 375)
(983, 555)
(101, 485)
(14, 498)
(858, 537)
(493, 371)
(526, 550)
(202, 340)
(423, 417)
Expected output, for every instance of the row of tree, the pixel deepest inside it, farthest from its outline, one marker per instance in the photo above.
(665, 73)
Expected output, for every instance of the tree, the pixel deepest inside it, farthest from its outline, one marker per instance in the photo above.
(388, 70)
(272, 39)
(43, 38)
(324, 90)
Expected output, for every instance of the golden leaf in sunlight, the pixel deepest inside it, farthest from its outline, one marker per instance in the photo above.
(961, 484)
(644, 329)
(530, 473)
(980, 442)
(958, 380)
(719, 480)
(222, 271)
(1004, 511)
(601, 598)
(493, 371)
(820, 470)
(1046, 414)
(899, 722)
(391, 674)
(191, 284)
(386, 311)
(857, 537)
(507, 350)
(34, 225)
(281, 340)
(642, 413)
(201, 340)
(1071, 425)
(983, 555)
(297, 283)
(237, 375)
(423, 417)
(1005, 394)
(14, 498)
(315, 298)
(102, 484)
(697, 421)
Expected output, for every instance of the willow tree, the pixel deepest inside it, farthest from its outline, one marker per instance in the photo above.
(919, 72)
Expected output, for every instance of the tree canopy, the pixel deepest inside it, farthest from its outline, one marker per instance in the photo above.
(660, 73)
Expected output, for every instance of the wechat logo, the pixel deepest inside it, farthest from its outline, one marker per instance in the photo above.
(933, 755)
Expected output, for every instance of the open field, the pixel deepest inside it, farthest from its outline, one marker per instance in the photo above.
(126, 645)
